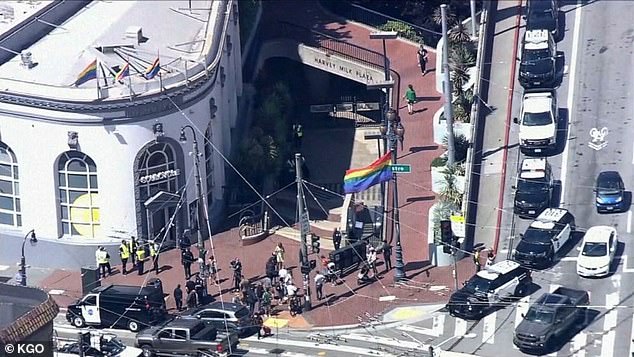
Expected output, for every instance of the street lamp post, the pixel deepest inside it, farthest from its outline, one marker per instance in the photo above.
(33, 240)
(202, 219)
(394, 132)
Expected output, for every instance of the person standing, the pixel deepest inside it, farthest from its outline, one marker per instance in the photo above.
(267, 298)
(279, 254)
(140, 259)
(192, 299)
(154, 250)
(213, 270)
(271, 267)
(319, 285)
(410, 96)
(422, 59)
(100, 258)
(124, 254)
(490, 259)
(178, 297)
(236, 266)
(372, 261)
(132, 248)
(187, 258)
(336, 238)
(476, 260)
(387, 255)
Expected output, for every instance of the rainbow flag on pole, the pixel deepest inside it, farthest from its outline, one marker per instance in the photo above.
(90, 72)
(153, 69)
(123, 72)
(357, 180)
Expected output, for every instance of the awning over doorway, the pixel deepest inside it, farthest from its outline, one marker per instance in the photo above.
(162, 199)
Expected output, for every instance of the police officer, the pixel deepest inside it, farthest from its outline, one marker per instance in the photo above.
(154, 250)
(124, 253)
(103, 259)
(133, 245)
(336, 238)
(140, 259)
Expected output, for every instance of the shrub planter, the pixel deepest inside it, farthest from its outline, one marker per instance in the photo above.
(440, 128)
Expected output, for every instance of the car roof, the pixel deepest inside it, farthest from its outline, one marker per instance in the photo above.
(226, 306)
(182, 323)
(537, 102)
(598, 234)
(533, 168)
(495, 270)
(606, 176)
(536, 39)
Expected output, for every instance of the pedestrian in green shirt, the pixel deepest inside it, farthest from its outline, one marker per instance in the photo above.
(410, 95)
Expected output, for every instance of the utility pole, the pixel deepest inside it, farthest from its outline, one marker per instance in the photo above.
(454, 250)
(474, 32)
(304, 227)
(447, 88)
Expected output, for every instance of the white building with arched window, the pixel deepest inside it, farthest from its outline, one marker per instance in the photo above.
(91, 109)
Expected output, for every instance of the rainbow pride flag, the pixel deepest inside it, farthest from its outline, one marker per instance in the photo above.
(153, 69)
(357, 180)
(90, 72)
(123, 72)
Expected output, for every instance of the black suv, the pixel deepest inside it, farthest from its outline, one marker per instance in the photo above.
(543, 15)
(610, 192)
(538, 61)
(534, 188)
(489, 288)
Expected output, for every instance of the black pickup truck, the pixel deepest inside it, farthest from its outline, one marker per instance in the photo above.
(185, 338)
(550, 317)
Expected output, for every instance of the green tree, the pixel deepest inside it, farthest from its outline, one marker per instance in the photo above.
(259, 155)
(451, 16)
(450, 192)
(459, 34)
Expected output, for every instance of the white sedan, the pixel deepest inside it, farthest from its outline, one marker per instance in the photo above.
(597, 251)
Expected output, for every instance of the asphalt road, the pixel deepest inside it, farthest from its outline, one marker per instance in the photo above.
(599, 69)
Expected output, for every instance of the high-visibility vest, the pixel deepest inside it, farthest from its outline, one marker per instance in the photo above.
(124, 251)
(102, 257)
(140, 254)
(152, 250)
(300, 131)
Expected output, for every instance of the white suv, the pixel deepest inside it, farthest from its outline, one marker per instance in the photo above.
(538, 122)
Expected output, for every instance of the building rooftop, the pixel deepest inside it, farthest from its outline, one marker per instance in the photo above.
(23, 310)
(133, 31)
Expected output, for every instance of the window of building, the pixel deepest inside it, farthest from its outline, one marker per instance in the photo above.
(209, 166)
(9, 188)
(78, 194)
(157, 158)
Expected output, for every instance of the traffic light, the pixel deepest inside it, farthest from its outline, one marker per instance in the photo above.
(305, 268)
(446, 236)
(314, 243)
(313, 264)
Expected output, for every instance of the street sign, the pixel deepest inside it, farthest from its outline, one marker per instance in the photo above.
(401, 168)
(304, 223)
(458, 226)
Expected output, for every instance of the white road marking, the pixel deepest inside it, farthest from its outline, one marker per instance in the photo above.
(418, 330)
(461, 327)
(56, 292)
(438, 324)
(521, 308)
(579, 345)
(570, 99)
(385, 341)
(629, 221)
(488, 328)
(4, 267)
(632, 339)
(568, 259)
(324, 346)
(624, 263)
(609, 325)
(553, 287)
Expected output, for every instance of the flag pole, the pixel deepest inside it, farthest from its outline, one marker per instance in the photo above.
(129, 78)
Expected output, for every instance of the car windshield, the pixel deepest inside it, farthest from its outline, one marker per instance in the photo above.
(535, 55)
(536, 236)
(544, 317)
(531, 185)
(478, 284)
(242, 313)
(594, 249)
(535, 119)
(609, 187)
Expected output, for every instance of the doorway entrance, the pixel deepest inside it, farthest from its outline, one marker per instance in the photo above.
(161, 213)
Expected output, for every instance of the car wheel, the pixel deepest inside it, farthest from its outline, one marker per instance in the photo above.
(79, 322)
(133, 326)
(147, 351)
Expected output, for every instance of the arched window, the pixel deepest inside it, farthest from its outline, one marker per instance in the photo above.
(158, 158)
(9, 188)
(209, 166)
(79, 194)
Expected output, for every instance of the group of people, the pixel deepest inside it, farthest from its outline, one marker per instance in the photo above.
(363, 276)
(137, 254)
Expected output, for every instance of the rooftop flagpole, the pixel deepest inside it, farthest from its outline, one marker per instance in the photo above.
(129, 78)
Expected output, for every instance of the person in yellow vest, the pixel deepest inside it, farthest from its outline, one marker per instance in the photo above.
(124, 253)
(154, 250)
(140, 259)
(103, 260)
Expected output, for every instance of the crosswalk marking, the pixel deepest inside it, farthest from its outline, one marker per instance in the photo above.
(609, 325)
(438, 324)
(579, 345)
(4, 267)
(419, 330)
(461, 327)
(488, 327)
(385, 341)
(553, 287)
(521, 309)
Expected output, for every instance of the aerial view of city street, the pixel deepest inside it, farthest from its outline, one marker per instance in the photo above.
(435, 178)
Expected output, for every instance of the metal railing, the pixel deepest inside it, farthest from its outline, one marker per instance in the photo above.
(329, 44)
(381, 21)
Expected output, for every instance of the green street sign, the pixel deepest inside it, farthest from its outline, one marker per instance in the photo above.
(401, 168)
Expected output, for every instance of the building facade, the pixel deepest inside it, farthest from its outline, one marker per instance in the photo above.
(101, 160)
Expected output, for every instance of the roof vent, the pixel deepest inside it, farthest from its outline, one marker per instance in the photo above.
(27, 60)
(135, 33)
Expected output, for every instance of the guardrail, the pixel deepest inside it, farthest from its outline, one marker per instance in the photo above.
(472, 172)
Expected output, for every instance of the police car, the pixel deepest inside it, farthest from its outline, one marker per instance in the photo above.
(534, 188)
(489, 288)
(537, 64)
(544, 238)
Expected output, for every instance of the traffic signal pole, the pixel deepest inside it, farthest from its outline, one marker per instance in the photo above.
(304, 227)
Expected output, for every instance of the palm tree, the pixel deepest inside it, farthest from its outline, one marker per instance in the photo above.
(460, 55)
(459, 77)
(459, 34)
(451, 16)
(450, 192)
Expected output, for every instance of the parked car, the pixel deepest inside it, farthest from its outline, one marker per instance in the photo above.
(223, 316)
(538, 122)
(534, 188)
(131, 307)
(610, 192)
(543, 14)
(109, 346)
(181, 337)
(551, 316)
(597, 251)
(538, 61)
(489, 288)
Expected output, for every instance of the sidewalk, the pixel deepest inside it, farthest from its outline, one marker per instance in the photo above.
(493, 154)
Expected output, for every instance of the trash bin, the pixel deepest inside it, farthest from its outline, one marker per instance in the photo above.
(155, 283)
(89, 278)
